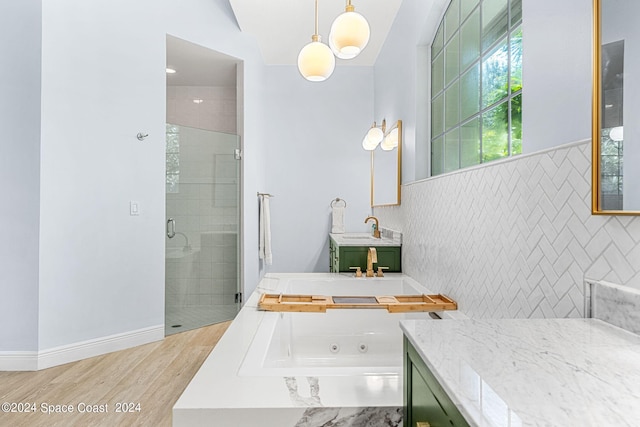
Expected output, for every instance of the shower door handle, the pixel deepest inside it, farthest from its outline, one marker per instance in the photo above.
(171, 228)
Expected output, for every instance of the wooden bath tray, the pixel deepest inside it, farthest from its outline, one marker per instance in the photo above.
(320, 303)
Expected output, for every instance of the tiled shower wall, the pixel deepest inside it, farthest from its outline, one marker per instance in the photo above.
(515, 238)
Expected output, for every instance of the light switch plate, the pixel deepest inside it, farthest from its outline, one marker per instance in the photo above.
(134, 208)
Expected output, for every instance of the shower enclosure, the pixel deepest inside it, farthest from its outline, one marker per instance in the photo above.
(202, 233)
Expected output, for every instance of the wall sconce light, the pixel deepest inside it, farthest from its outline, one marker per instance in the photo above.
(379, 135)
(374, 136)
(316, 61)
(390, 140)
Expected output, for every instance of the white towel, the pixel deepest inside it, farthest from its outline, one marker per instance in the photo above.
(265, 230)
(337, 224)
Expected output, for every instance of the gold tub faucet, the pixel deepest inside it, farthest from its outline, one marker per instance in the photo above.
(376, 232)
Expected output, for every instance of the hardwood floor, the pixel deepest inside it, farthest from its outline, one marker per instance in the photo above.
(146, 380)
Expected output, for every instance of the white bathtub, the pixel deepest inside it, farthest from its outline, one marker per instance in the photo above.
(336, 343)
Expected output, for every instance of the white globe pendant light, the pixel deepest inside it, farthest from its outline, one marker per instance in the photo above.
(349, 33)
(336, 51)
(316, 61)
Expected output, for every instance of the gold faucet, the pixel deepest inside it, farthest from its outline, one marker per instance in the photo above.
(372, 258)
(376, 232)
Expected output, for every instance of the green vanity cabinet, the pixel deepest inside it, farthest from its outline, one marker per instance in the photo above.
(341, 258)
(425, 402)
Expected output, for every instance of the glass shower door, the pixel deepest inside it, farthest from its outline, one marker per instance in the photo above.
(202, 233)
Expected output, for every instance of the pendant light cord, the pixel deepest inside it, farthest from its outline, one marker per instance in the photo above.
(316, 33)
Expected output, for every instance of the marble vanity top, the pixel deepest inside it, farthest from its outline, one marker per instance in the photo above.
(364, 239)
(523, 372)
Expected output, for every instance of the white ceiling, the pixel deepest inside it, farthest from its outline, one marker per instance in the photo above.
(196, 65)
(283, 27)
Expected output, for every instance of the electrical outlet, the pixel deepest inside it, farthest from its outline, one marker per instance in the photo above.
(134, 208)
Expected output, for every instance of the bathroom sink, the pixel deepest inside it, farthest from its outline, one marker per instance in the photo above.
(357, 237)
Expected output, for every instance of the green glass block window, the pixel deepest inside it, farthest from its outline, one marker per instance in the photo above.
(451, 19)
(452, 150)
(470, 143)
(466, 6)
(438, 42)
(476, 84)
(437, 158)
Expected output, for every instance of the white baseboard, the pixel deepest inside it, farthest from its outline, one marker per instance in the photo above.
(36, 360)
(18, 360)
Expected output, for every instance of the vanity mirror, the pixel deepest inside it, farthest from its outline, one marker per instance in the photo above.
(616, 134)
(386, 168)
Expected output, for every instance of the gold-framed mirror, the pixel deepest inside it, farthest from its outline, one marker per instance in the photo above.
(616, 35)
(386, 170)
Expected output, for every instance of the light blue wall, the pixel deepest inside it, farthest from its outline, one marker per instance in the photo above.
(313, 155)
(102, 271)
(86, 78)
(20, 41)
(556, 73)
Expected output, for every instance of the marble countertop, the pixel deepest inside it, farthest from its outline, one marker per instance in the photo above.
(524, 372)
(364, 239)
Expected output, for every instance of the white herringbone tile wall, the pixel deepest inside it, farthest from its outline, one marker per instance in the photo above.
(515, 238)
